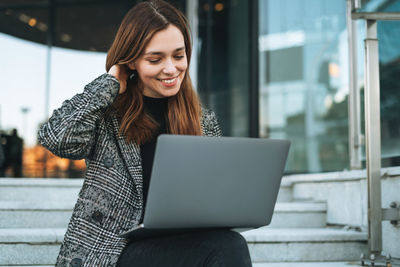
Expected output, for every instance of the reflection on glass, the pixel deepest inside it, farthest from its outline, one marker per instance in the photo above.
(304, 81)
(223, 63)
(389, 61)
(30, 23)
(22, 71)
(23, 68)
(389, 71)
(379, 6)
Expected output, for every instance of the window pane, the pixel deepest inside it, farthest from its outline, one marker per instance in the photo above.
(389, 71)
(380, 6)
(23, 71)
(389, 61)
(23, 74)
(224, 61)
(304, 81)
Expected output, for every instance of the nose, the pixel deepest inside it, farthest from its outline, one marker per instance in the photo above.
(169, 67)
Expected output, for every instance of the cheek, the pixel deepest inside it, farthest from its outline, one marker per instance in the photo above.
(148, 72)
(182, 65)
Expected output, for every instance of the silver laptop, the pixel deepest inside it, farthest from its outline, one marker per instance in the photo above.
(211, 182)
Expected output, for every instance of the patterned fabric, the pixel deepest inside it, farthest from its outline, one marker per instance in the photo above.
(111, 199)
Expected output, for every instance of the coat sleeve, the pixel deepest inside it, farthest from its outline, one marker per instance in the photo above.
(210, 123)
(70, 132)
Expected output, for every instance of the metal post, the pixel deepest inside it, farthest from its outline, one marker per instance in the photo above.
(373, 137)
(354, 93)
(193, 17)
(209, 50)
(254, 121)
(50, 42)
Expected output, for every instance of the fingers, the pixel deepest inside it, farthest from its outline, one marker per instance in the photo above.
(114, 71)
(121, 74)
(122, 86)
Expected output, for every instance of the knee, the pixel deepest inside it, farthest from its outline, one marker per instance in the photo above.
(238, 239)
(232, 250)
(228, 238)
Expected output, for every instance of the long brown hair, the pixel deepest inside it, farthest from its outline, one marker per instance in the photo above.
(135, 32)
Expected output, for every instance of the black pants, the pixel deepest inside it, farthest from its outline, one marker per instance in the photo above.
(214, 248)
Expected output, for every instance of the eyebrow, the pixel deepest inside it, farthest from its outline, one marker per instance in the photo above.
(161, 53)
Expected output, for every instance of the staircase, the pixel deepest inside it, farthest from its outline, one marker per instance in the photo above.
(34, 214)
(299, 236)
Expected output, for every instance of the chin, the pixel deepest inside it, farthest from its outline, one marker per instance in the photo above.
(170, 92)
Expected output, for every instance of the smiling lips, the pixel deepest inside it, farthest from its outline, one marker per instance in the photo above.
(169, 82)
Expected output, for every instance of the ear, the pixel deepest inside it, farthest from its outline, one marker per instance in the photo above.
(132, 66)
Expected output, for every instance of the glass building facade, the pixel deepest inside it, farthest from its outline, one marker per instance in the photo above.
(303, 81)
(50, 49)
(223, 76)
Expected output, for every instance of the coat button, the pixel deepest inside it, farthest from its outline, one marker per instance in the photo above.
(77, 262)
(108, 162)
(97, 216)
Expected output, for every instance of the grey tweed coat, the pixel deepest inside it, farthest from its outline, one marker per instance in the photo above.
(111, 199)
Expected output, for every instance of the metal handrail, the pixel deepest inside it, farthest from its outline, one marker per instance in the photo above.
(375, 15)
(373, 136)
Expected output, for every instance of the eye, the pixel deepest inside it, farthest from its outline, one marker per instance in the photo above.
(179, 56)
(154, 61)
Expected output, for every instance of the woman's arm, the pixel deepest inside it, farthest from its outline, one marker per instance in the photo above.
(209, 123)
(70, 131)
(216, 127)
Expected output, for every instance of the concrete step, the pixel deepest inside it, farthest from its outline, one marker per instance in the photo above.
(39, 189)
(30, 246)
(303, 245)
(41, 246)
(24, 214)
(299, 215)
(285, 193)
(269, 264)
(307, 264)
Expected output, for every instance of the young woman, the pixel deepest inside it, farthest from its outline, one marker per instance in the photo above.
(113, 125)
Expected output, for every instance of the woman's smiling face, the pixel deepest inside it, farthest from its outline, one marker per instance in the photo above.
(162, 66)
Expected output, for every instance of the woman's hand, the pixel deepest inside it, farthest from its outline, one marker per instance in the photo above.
(121, 74)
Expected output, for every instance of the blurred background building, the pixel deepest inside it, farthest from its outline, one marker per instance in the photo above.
(268, 68)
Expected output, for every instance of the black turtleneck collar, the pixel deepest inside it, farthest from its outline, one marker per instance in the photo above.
(154, 102)
(156, 107)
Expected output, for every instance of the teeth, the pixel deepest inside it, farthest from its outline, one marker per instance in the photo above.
(169, 81)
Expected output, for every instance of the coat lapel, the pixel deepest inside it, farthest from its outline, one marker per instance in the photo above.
(130, 153)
